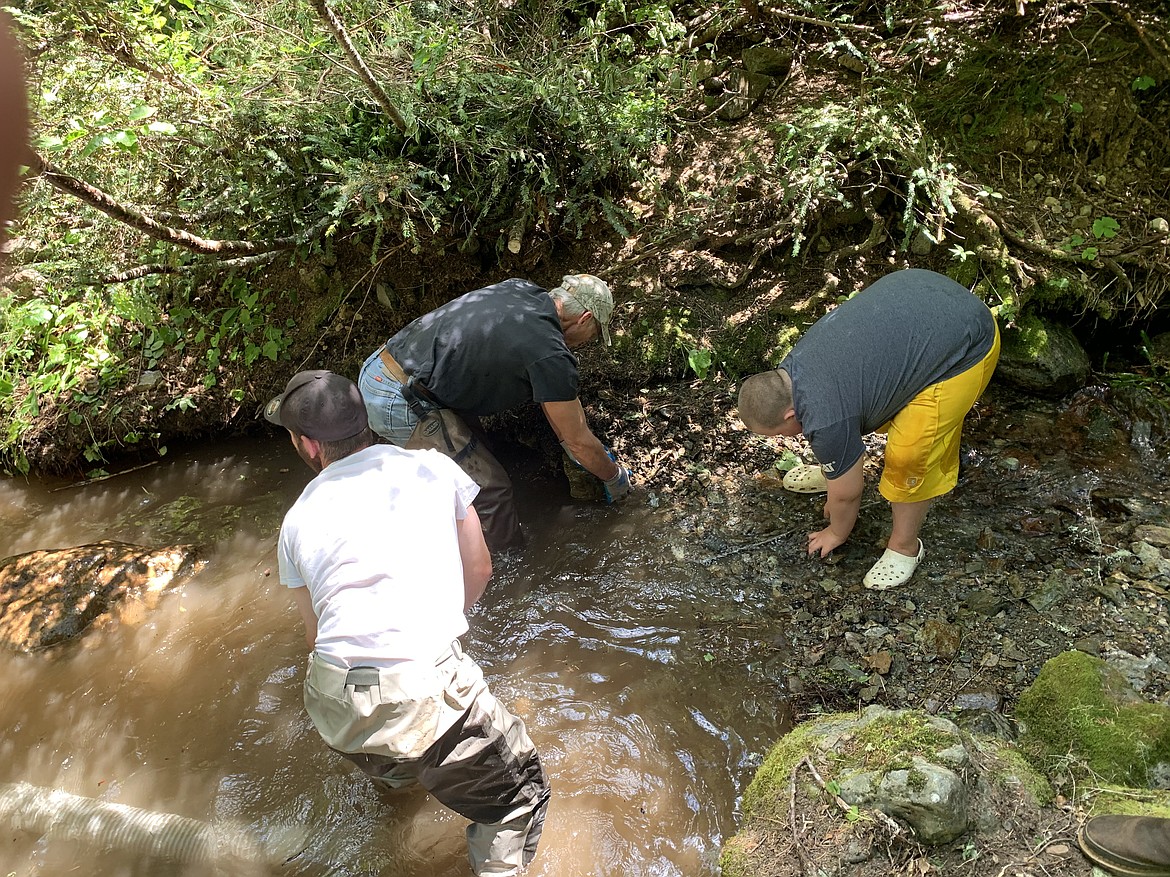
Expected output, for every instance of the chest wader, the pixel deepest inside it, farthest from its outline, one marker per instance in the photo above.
(445, 431)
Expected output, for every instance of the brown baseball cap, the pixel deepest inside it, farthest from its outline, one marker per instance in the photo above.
(320, 405)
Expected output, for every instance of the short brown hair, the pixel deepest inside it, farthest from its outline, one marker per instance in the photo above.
(763, 400)
(333, 451)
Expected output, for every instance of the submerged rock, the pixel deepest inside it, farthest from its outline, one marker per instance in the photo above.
(49, 597)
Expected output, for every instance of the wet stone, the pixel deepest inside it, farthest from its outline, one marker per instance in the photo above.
(1109, 589)
(1090, 645)
(49, 597)
(1054, 589)
(983, 602)
(940, 638)
(977, 700)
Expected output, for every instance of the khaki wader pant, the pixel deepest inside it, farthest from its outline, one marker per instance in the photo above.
(441, 727)
(448, 433)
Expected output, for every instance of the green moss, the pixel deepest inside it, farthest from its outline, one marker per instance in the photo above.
(1130, 802)
(1081, 711)
(768, 788)
(1011, 770)
(915, 780)
(1029, 338)
(997, 288)
(735, 860)
(886, 743)
(1063, 291)
(747, 349)
(890, 742)
(965, 273)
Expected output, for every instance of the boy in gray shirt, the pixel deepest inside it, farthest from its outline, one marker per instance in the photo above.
(908, 356)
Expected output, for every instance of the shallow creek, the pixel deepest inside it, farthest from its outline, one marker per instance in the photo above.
(592, 636)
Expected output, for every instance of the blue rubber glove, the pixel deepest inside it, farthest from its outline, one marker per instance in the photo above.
(617, 487)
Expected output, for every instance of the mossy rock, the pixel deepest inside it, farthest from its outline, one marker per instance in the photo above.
(1043, 357)
(745, 350)
(889, 741)
(1013, 772)
(1003, 791)
(965, 272)
(1083, 714)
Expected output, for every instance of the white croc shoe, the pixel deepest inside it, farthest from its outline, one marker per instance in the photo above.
(893, 569)
(805, 479)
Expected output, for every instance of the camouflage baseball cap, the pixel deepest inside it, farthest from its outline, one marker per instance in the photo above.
(594, 295)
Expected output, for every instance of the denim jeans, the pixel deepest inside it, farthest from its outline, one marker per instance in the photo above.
(390, 416)
(448, 433)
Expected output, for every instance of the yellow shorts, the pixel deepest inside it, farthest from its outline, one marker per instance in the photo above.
(922, 450)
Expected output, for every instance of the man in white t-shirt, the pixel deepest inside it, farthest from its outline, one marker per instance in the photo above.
(383, 553)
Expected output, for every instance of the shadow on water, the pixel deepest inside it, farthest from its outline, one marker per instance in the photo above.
(592, 635)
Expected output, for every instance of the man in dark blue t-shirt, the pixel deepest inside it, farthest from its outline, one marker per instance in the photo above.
(487, 351)
(908, 356)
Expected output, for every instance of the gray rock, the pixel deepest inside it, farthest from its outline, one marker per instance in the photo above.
(922, 244)
(1153, 535)
(1136, 670)
(767, 61)
(977, 700)
(1153, 564)
(1053, 590)
(147, 380)
(984, 602)
(743, 90)
(1042, 357)
(931, 799)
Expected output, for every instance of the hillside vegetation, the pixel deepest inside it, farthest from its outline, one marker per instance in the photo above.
(222, 192)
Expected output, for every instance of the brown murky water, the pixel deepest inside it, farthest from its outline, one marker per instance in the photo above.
(592, 636)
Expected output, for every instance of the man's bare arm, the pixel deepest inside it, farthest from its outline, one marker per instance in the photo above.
(477, 560)
(841, 509)
(308, 616)
(568, 421)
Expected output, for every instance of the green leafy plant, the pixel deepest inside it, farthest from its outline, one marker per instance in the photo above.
(1063, 100)
(1105, 227)
(1143, 83)
(699, 360)
(882, 135)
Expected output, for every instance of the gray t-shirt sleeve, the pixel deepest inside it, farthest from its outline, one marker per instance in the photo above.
(838, 446)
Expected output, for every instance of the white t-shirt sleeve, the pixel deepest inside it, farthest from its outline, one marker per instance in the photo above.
(290, 576)
(465, 488)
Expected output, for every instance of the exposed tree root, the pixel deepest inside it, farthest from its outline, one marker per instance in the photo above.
(877, 233)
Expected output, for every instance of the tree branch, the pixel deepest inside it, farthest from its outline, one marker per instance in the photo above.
(140, 271)
(1159, 56)
(338, 30)
(135, 218)
(819, 22)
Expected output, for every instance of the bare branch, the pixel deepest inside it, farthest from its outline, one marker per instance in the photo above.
(135, 218)
(819, 22)
(141, 271)
(338, 30)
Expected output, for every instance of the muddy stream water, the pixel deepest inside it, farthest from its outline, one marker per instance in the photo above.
(196, 710)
